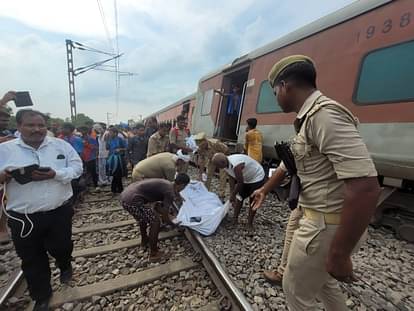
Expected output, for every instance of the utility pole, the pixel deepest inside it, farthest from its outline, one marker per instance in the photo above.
(100, 65)
(71, 78)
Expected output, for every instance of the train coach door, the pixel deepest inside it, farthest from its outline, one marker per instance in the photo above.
(233, 91)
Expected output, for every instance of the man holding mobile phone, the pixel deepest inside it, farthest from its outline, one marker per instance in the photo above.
(39, 206)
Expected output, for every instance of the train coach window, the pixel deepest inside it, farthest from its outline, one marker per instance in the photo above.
(207, 102)
(386, 75)
(267, 102)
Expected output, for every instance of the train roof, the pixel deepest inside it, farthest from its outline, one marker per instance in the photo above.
(177, 103)
(346, 13)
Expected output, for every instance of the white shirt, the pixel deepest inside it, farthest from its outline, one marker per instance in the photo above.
(43, 195)
(252, 172)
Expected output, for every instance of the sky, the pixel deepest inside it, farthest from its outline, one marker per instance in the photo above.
(169, 45)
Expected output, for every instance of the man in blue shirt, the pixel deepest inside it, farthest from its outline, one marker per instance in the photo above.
(68, 136)
(77, 144)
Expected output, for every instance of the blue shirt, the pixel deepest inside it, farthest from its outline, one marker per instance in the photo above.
(115, 143)
(76, 142)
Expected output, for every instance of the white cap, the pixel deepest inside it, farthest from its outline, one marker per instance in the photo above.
(181, 156)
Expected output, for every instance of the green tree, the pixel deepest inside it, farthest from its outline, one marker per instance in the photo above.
(83, 120)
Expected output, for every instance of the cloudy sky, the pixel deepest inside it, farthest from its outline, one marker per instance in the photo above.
(169, 44)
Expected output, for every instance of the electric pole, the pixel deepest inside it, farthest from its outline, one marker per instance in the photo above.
(73, 72)
(71, 78)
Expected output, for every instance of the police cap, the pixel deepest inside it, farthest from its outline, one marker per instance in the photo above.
(283, 63)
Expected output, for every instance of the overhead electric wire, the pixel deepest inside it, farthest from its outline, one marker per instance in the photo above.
(84, 69)
(83, 47)
(107, 33)
(122, 73)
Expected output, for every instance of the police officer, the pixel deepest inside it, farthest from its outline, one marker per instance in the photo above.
(207, 147)
(162, 165)
(339, 188)
(178, 136)
(158, 142)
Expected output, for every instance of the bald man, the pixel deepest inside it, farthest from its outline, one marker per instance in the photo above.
(246, 175)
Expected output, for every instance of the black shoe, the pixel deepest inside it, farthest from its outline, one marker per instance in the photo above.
(41, 305)
(66, 275)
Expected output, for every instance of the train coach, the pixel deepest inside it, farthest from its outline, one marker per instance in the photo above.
(184, 106)
(364, 54)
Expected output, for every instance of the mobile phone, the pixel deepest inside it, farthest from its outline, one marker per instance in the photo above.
(23, 175)
(23, 99)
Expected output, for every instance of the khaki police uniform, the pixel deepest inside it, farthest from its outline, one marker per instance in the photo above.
(328, 149)
(161, 165)
(204, 160)
(157, 144)
(177, 137)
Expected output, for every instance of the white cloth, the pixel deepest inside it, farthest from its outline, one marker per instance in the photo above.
(191, 143)
(253, 172)
(40, 195)
(201, 211)
(182, 156)
(102, 151)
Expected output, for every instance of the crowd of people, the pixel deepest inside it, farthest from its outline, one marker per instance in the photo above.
(43, 177)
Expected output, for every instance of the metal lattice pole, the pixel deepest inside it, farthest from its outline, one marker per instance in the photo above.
(71, 78)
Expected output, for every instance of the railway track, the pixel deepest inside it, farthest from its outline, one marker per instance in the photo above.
(112, 270)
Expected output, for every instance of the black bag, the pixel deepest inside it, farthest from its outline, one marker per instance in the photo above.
(285, 154)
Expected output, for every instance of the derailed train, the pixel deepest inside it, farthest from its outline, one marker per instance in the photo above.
(364, 55)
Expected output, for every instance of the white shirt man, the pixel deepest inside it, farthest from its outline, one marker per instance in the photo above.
(252, 172)
(38, 201)
(246, 174)
(103, 154)
(43, 195)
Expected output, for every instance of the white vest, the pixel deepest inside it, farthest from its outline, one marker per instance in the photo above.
(252, 173)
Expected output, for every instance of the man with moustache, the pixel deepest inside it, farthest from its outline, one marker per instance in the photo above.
(339, 189)
(39, 209)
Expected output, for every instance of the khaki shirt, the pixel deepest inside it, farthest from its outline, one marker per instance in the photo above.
(178, 137)
(327, 149)
(161, 165)
(213, 146)
(157, 144)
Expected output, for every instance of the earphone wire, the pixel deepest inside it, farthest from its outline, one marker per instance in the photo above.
(3, 209)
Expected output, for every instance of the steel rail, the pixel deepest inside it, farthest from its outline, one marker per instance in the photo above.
(233, 298)
(11, 287)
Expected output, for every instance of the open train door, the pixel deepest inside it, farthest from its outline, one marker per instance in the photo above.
(231, 104)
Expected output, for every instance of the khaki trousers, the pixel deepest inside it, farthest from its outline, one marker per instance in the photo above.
(292, 225)
(305, 277)
(211, 169)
